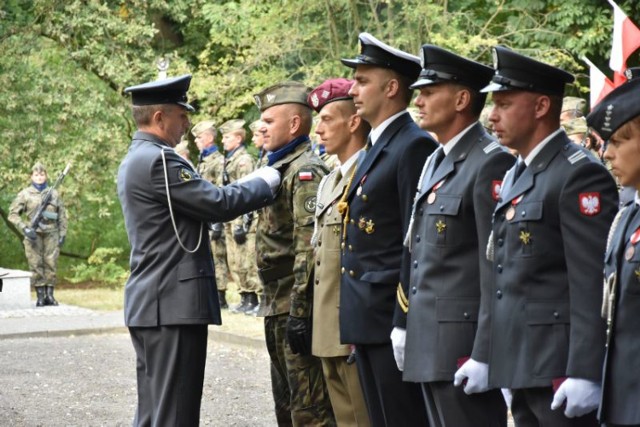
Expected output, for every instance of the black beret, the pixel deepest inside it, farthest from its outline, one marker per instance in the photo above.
(519, 72)
(616, 109)
(374, 52)
(167, 91)
(440, 65)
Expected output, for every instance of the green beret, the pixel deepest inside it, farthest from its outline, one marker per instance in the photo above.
(282, 93)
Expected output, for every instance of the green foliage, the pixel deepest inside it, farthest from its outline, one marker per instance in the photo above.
(101, 267)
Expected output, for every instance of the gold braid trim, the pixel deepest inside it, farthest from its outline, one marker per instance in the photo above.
(403, 302)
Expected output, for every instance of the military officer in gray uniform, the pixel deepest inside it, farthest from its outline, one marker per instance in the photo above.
(545, 335)
(451, 222)
(617, 119)
(379, 200)
(343, 134)
(170, 296)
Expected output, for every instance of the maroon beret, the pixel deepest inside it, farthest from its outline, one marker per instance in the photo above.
(329, 91)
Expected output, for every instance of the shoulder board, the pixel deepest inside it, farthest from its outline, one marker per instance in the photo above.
(576, 157)
(491, 147)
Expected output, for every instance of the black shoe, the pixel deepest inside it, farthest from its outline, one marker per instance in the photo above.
(40, 294)
(49, 299)
(242, 307)
(256, 310)
(222, 297)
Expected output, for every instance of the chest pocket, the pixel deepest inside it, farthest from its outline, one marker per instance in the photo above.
(630, 276)
(526, 236)
(441, 220)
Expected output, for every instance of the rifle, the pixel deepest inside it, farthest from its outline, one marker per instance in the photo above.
(40, 212)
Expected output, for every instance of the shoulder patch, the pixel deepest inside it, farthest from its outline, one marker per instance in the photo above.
(489, 148)
(310, 204)
(305, 175)
(185, 175)
(589, 203)
(576, 157)
(496, 186)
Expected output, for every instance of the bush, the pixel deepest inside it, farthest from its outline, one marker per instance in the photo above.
(102, 267)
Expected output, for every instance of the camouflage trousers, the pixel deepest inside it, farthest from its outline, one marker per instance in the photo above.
(297, 383)
(219, 251)
(242, 261)
(42, 257)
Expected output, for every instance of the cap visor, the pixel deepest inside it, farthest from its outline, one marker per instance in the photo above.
(352, 63)
(187, 106)
(421, 82)
(495, 87)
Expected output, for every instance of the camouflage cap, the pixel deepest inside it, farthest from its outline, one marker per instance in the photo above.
(288, 92)
(232, 125)
(182, 147)
(203, 126)
(39, 167)
(255, 125)
(576, 126)
(572, 103)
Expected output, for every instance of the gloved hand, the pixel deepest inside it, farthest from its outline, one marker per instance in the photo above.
(477, 376)
(266, 173)
(582, 396)
(61, 241)
(29, 233)
(216, 231)
(239, 235)
(398, 339)
(299, 335)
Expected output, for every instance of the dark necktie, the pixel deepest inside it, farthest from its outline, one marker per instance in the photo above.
(520, 167)
(439, 156)
(369, 144)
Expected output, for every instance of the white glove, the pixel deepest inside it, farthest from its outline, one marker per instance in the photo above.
(398, 339)
(582, 396)
(476, 374)
(266, 173)
(508, 397)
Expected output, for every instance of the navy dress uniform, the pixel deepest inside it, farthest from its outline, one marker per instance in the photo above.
(379, 197)
(451, 223)
(549, 234)
(621, 302)
(170, 296)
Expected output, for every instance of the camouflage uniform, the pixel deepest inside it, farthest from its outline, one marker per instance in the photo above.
(42, 254)
(285, 259)
(210, 168)
(242, 261)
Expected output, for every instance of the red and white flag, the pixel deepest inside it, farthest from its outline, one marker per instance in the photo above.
(626, 40)
(599, 84)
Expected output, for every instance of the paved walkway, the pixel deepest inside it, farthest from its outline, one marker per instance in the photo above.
(65, 320)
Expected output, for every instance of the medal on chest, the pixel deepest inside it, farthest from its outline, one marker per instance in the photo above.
(511, 212)
(631, 250)
(431, 198)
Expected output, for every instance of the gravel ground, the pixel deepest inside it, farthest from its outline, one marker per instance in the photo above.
(92, 383)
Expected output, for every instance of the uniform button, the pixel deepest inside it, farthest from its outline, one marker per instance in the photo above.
(500, 242)
(499, 294)
(466, 315)
(351, 221)
(441, 208)
(201, 271)
(414, 290)
(415, 264)
(499, 268)
(556, 314)
(351, 273)
(318, 262)
(350, 248)
(417, 237)
(317, 281)
(342, 245)
(365, 197)
(319, 243)
(523, 213)
(342, 270)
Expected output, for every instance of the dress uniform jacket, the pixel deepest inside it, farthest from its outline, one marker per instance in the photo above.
(283, 238)
(448, 261)
(168, 285)
(549, 233)
(326, 290)
(380, 199)
(621, 389)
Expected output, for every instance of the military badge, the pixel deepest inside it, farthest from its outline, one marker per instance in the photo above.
(258, 101)
(525, 237)
(362, 223)
(305, 176)
(310, 204)
(441, 226)
(589, 203)
(637, 273)
(314, 100)
(369, 228)
(431, 198)
(629, 253)
(511, 212)
(185, 175)
(496, 186)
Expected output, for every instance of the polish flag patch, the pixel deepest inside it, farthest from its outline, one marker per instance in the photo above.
(305, 176)
(589, 203)
(496, 186)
